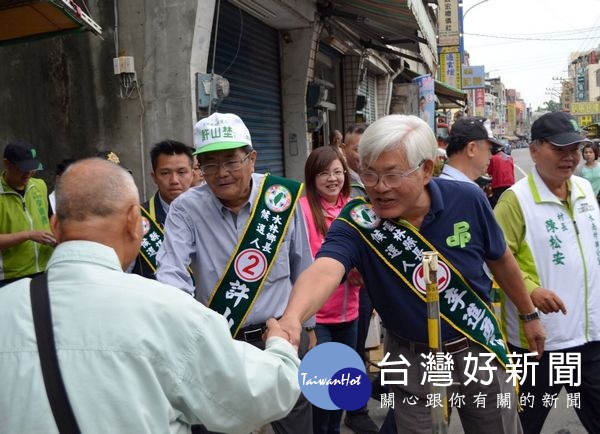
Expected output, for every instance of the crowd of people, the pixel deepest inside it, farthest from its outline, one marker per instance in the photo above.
(192, 311)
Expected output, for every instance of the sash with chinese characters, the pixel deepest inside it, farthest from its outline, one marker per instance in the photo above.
(153, 236)
(255, 254)
(400, 246)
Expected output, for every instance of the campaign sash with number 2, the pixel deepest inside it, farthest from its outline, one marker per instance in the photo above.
(400, 246)
(255, 254)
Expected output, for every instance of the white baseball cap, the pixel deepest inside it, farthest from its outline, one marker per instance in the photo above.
(219, 132)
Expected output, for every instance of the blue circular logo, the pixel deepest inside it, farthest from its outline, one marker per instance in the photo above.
(332, 376)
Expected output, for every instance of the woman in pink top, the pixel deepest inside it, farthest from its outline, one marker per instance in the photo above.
(327, 191)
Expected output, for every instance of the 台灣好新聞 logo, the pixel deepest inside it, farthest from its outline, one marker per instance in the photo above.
(332, 376)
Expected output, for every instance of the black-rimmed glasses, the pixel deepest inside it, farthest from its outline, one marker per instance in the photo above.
(229, 166)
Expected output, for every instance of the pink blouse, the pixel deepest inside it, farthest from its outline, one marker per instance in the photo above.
(342, 306)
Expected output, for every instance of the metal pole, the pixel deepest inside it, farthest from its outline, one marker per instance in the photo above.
(439, 414)
(476, 4)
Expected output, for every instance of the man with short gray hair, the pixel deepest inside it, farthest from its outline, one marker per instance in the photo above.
(410, 212)
(135, 355)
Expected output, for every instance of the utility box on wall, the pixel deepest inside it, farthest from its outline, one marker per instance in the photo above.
(211, 89)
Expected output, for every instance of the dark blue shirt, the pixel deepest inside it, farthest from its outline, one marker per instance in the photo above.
(452, 202)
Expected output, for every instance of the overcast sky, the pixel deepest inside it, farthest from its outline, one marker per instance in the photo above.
(529, 66)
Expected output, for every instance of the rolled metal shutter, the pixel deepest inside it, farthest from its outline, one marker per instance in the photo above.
(368, 87)
(248, 56)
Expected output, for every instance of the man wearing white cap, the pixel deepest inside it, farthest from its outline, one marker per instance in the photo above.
(243, 238)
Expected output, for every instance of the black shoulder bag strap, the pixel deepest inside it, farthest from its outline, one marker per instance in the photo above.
(55, 388)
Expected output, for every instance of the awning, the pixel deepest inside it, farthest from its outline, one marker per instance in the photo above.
(450, 97)
(403, 24)
(22, 20)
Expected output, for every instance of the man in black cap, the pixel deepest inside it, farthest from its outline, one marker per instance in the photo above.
(25, 238)
(551, 222)
(470, 146)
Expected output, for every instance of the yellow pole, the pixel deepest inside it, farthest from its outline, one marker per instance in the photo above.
(439, 414)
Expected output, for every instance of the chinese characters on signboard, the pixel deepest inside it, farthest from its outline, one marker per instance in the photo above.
(473, 77)
(450, 67)
(448, 23)
(438, 369)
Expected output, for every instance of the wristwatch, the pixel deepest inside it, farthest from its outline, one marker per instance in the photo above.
(530, 316)
(309, 328)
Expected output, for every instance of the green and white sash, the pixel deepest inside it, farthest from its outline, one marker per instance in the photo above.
(255, 254)
(400, 246)
(153, 236)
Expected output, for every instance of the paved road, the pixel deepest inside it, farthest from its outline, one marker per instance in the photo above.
(523, 163)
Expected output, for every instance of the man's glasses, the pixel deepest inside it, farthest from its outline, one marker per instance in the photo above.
(336, 173)
(390, 179)
(229, 166)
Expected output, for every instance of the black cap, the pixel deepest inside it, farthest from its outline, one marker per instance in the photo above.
(558, 128)
(468, 129)
(23, 155)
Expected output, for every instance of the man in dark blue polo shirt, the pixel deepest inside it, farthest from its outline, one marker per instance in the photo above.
(409, 213)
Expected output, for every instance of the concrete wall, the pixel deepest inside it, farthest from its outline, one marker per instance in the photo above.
(593, 85)
(61, 94)
(297, 66)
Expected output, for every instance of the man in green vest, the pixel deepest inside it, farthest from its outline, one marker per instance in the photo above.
(172, 172)
(551, 220)
(26, 241)
(244, 238)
